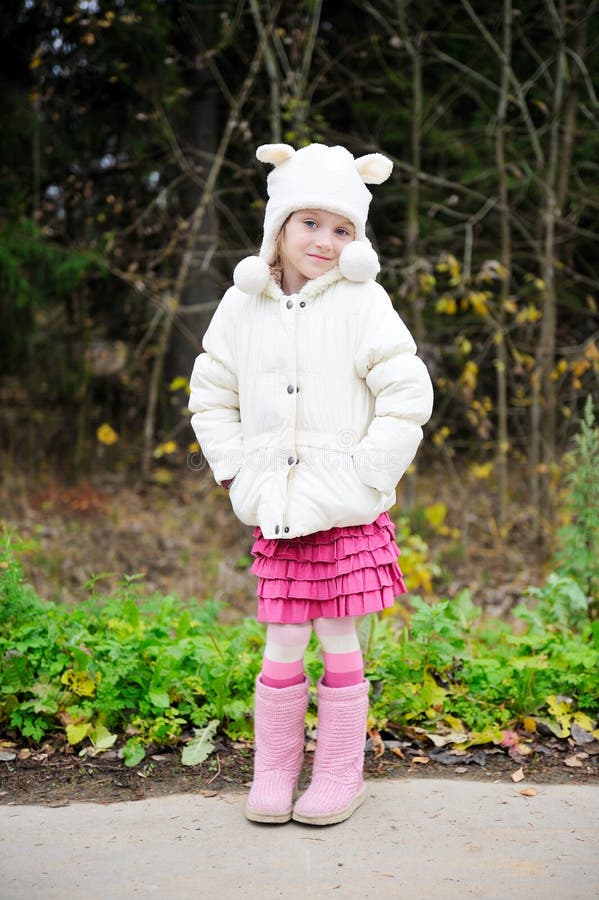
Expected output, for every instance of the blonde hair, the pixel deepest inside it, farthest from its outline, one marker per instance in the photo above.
(276, 267)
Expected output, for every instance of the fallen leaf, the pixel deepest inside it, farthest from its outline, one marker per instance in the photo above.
(378, 744)
(310, 746)
(528, 792)
(209, 793)
(573, 762)
(454, 737)
(518, 775)
(422, 760)
(509, 739)
(200, 746)
(398, 752)
(447, 758)
(581, 735)
(7, 756)
(530, 724)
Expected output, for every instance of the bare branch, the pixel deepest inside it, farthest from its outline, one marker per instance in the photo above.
(173, 301)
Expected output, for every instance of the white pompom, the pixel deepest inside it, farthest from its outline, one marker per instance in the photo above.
(358, 262)
(251, 275)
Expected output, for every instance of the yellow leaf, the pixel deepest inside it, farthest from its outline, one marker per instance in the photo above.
(464, 345)
(79, 683)
(446, 305)
(36, 61)
(162, 476)
(435, 514)
(530, 724)
(559, 706)
(469, 375)
(560, 368)
(106, 434)
(441, 435)
(165, 449)
(78, 733)
(450, 264)
(478, 302)
(426, 283)
(481, 471)
(530, 314)
(179, 383)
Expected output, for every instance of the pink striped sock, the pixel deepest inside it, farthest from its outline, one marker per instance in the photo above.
(283, 663)
(343, 663)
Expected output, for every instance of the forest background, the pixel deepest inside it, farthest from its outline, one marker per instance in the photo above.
(130, 189)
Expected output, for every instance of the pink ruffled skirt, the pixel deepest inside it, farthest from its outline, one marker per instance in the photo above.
(340, 572)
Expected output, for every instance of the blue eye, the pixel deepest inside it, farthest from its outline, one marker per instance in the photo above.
(309, 223)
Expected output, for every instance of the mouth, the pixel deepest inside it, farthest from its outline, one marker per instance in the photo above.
(317, 256)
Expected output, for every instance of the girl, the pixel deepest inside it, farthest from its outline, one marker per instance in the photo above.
(309, 402)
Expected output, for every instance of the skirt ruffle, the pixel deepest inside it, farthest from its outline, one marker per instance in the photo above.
(339, 572)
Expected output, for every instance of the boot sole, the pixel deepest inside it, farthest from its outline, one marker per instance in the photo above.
(254, 815)
(331, 818)
(268, 818)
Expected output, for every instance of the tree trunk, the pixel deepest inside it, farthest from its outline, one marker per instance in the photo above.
(550, 212)
(201, 285)
(506, 262)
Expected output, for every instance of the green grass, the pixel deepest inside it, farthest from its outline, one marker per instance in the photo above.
(133, 670)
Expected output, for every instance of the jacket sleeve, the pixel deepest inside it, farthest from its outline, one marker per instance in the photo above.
(403, 394)
(214, 397)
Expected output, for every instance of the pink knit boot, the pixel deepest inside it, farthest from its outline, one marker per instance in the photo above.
(279, 716)
(337, 787)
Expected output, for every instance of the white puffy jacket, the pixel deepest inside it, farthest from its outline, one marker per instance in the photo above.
(314, 403)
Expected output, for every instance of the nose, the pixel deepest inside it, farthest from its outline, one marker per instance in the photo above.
(324, 238)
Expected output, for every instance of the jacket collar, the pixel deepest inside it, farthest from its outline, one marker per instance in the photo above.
(310, 290)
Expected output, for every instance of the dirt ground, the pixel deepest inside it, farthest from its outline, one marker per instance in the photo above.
(56, 779)
(183, 538)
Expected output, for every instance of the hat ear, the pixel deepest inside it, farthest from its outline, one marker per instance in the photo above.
(274, 153)
(374, 168)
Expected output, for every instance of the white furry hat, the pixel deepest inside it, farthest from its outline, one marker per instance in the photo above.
(316, 177)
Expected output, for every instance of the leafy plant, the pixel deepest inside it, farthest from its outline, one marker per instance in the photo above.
(578, 547)
(144, 671)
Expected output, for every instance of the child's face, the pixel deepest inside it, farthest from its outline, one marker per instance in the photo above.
(312, 242)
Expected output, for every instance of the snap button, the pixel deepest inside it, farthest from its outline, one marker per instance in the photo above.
(277, 529)
(290, 304)
(291, 461)
(290, 389)
(302, 303)
(286, 529)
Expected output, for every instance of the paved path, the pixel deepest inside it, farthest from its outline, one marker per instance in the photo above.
(413, 840)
